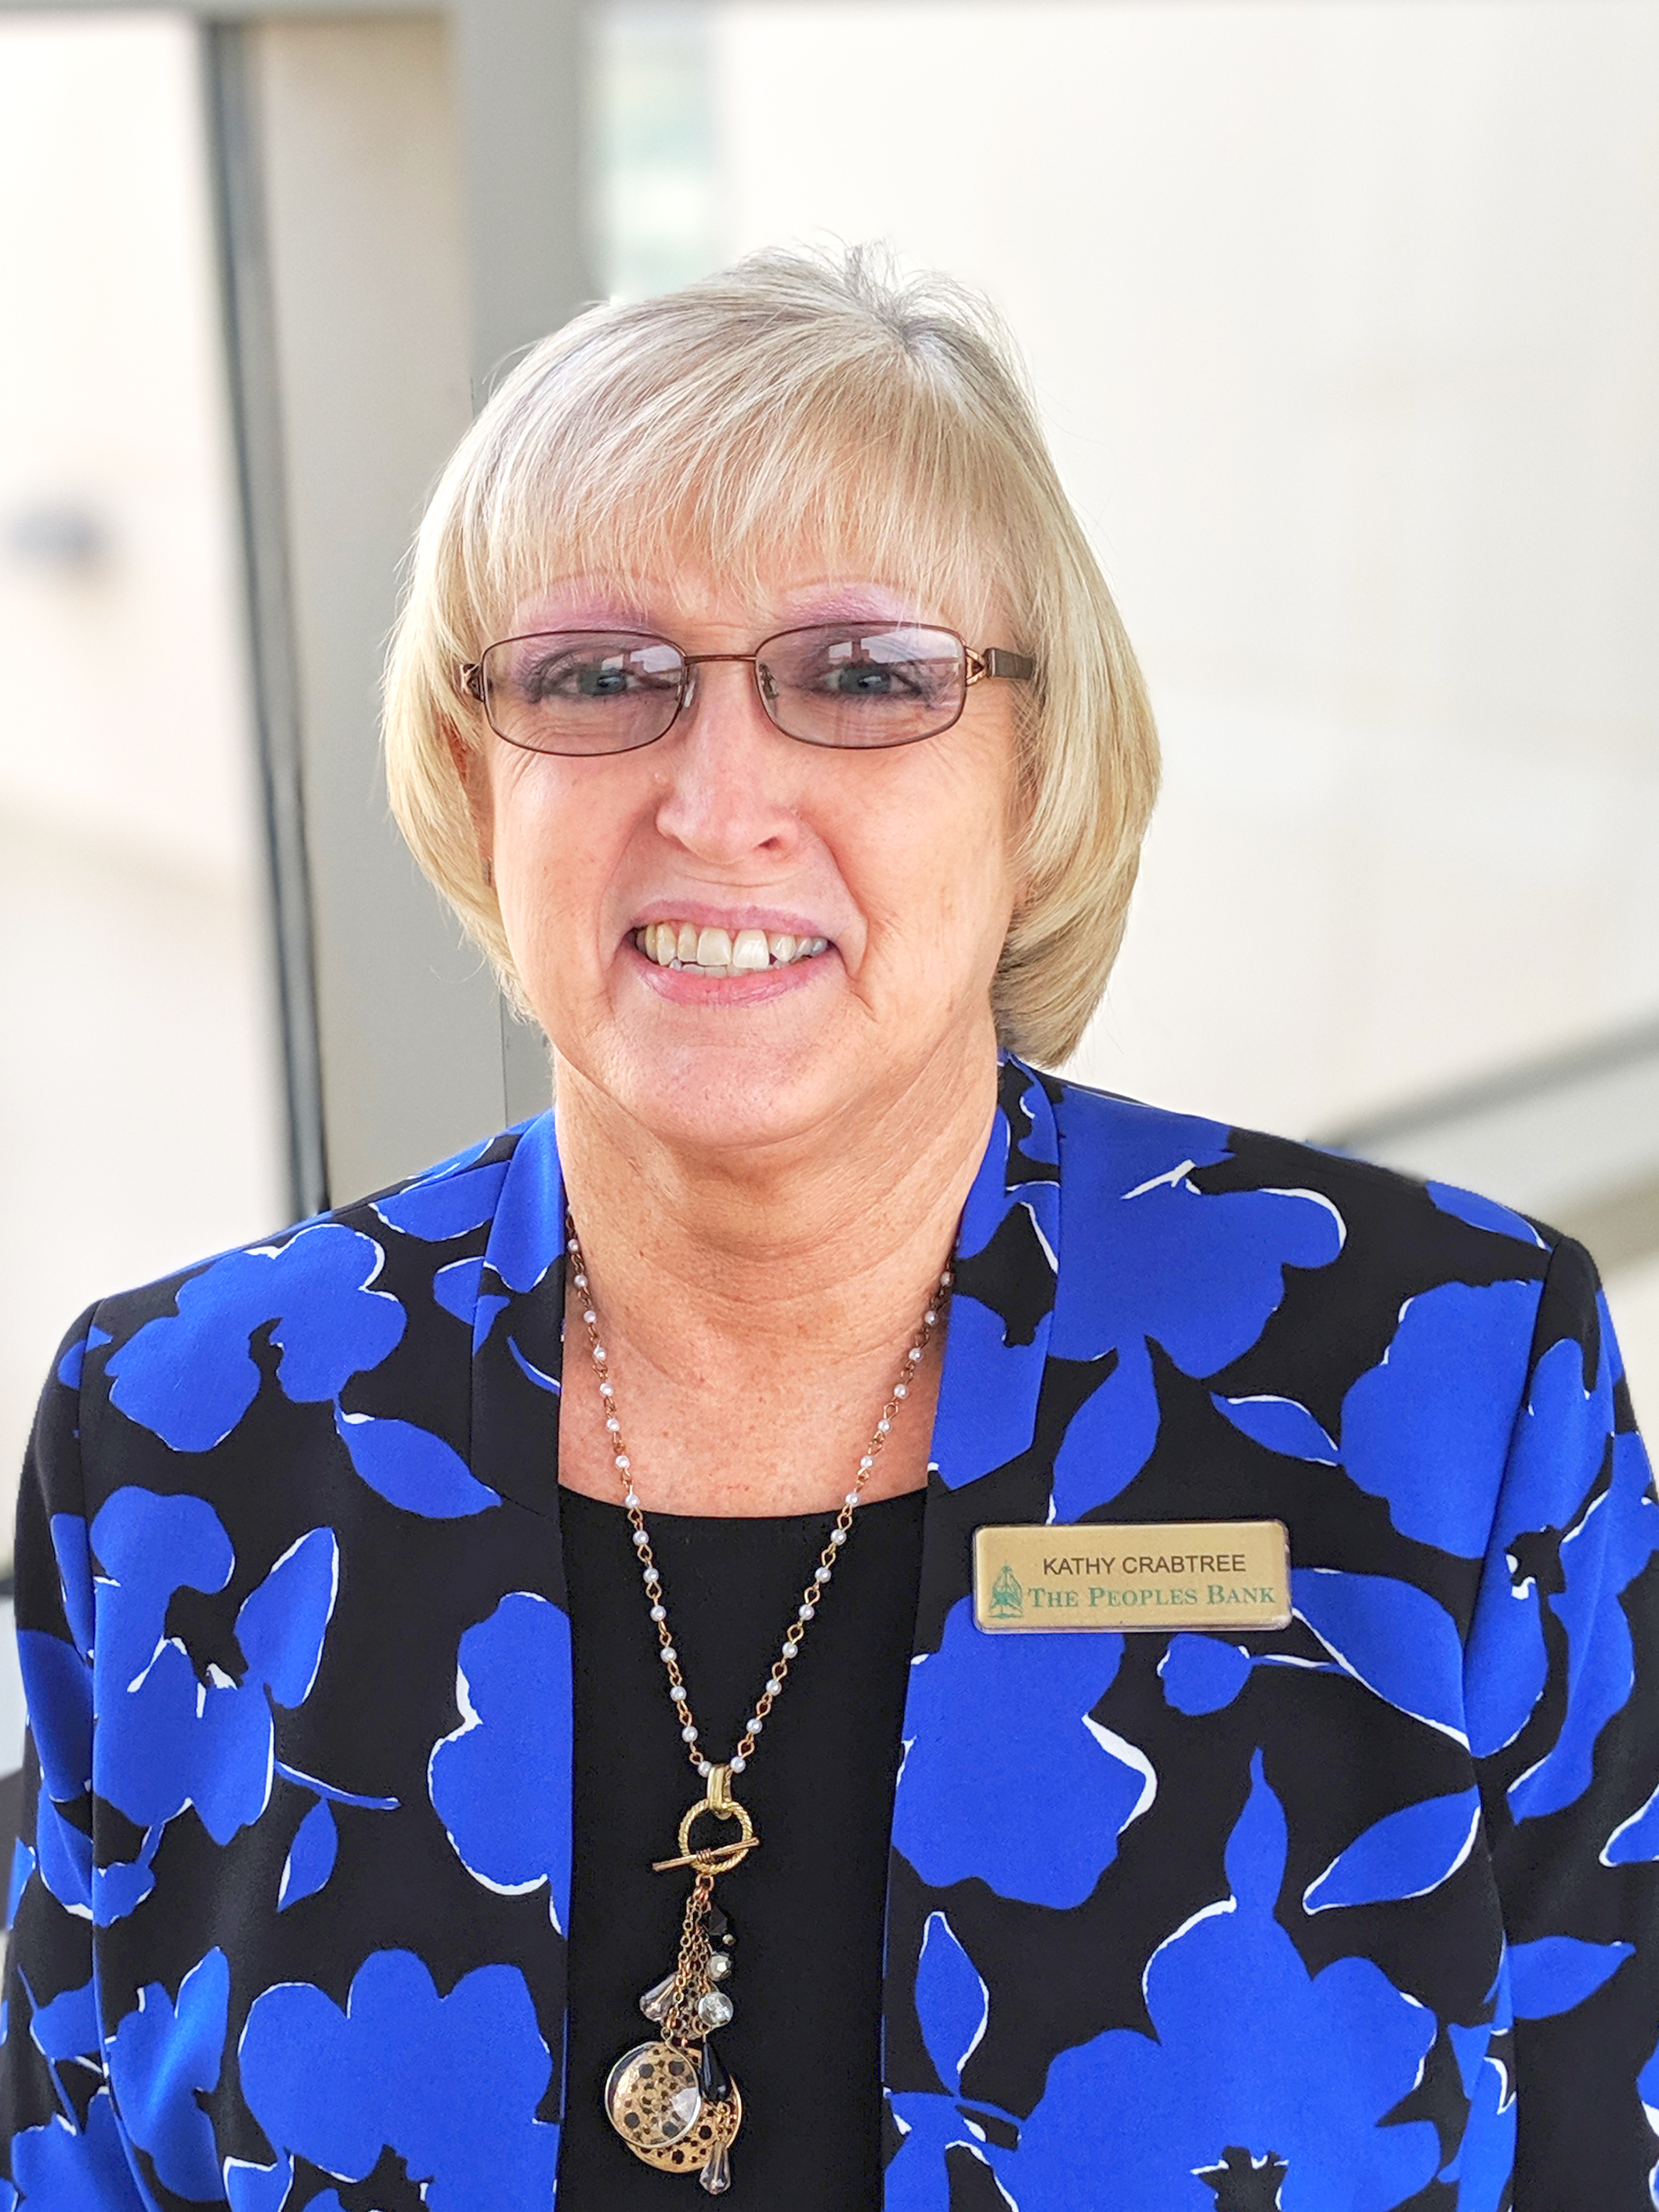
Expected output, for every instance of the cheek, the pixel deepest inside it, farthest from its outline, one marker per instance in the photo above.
(939, 873)
(556, 830)
(547, 878)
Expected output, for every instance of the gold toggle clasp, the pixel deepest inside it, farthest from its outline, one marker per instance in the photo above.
(716, 1858)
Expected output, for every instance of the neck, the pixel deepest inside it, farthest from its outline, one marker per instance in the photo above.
(821, 1246)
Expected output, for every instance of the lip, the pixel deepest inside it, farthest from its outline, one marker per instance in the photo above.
(683, 989)
(776, 920)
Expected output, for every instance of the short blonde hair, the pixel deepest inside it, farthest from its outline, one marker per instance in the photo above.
(792, 399)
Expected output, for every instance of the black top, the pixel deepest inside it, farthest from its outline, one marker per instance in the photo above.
(807, 1908)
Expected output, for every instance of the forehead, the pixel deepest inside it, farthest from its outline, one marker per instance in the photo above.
(689, 602)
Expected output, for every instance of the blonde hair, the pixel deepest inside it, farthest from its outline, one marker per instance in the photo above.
(791, 399)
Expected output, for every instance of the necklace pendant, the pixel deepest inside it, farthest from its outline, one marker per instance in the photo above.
(672, 2101)
(655, 2100)
(673, 2105)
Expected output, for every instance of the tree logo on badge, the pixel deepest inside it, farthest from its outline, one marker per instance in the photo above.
(1007, 1598)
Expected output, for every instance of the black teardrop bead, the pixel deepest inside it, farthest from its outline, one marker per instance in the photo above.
(720, 1931)
(713, 2079)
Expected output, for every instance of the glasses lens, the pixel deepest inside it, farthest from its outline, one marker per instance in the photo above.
(846, 684)
(583, 691)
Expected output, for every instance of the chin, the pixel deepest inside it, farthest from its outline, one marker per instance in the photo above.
(735, 1098)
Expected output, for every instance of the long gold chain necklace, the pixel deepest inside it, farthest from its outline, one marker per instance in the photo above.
(670, 2100)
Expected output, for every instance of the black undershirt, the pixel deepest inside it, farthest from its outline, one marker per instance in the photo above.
(807, 1908)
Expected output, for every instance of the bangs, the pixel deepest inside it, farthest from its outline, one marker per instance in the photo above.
(633, 468)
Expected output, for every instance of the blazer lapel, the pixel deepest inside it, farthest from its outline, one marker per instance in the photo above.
(517, 1343)
(993, 1451)
(990, 1461)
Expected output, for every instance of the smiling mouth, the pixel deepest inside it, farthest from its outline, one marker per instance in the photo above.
(682, 945)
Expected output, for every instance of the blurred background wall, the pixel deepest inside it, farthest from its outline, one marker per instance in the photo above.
(1345, 322)
(140, 1105)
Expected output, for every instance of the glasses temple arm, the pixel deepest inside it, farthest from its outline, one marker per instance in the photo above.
(995, 660)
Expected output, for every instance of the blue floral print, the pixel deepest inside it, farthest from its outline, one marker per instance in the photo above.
(1157, 2110)
(975, 1797)
(953, 2006)
(65, 2162)
(196, 1733)
(1404, 1854)
(1361, 1915)
(190, 1375)
(1442, 1397)
(161, 2052)
(1391, 1636)
(449, 2084)
(411, 1467)
(510, 1832)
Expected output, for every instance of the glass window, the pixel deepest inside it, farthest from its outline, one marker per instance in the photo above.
(139, 1115)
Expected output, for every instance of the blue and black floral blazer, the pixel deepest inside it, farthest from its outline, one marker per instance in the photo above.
(1356, 1916)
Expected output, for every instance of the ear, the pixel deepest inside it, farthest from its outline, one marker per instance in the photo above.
(469, 765)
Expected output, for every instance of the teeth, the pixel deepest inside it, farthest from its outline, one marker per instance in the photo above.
(717, 952)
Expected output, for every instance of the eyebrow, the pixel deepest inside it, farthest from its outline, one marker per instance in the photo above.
(846, 602)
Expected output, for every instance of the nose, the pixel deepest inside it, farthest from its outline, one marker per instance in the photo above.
(729, 774)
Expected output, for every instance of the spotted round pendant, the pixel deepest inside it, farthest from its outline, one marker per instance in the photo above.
(655, 2101)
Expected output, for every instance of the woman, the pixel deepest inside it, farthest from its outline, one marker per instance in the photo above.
(561, 1675)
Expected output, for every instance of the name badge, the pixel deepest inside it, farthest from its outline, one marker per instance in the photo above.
(1163, 1575)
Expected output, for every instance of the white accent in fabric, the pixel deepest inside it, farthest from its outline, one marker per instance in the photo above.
(1048, 1252)
(1223, 1905)
(1640, 1813)
(1133, 1757)
(1317, 1197)
(1171, 1177)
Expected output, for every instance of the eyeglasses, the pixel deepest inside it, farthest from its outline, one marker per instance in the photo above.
(861, 686)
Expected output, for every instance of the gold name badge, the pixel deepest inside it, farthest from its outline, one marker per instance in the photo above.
(1165, 1575)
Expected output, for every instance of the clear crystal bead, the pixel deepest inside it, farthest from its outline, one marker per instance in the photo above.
(716, 2176)
(714, 2008)
(654, 2004)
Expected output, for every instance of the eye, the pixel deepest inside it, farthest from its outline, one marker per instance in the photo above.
(581, 674)
(871, 679)
(873, 668)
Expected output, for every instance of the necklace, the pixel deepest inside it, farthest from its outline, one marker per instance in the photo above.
(670, 2099)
